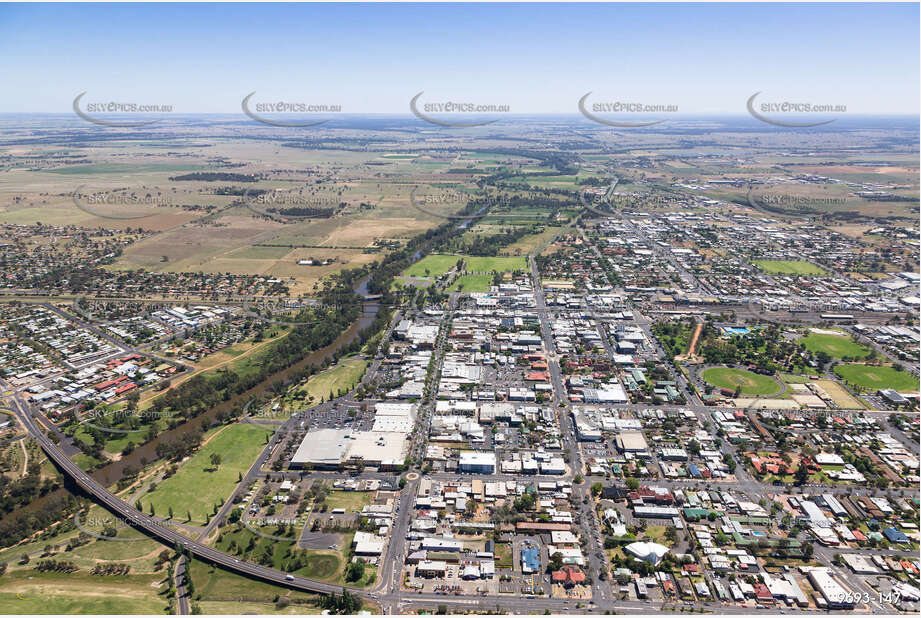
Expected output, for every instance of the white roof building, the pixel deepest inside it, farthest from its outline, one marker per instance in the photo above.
(648, 552)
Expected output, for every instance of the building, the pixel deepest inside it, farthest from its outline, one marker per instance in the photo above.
(476, 462)
(367, 544)
(568, 575)
(892, 396)
(329, 449)
(631, 442)
(432, 568)
(834, 595)
(647, 552)
(530, 560)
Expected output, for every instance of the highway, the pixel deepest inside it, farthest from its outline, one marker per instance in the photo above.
(133, 517)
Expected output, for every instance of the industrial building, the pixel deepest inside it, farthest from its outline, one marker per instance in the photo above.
(476, 462)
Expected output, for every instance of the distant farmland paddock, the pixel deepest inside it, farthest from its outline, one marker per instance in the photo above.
(877, 377)
(788, 267)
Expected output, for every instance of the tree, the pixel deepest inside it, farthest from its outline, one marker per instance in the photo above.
(807, 550)
(556, 562)
(633, 484)
(355, 571)
(802, 474)
(596, 489)
(216, 460)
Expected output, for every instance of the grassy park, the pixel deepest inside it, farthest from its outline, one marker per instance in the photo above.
(471, 283)
(788, 267)
(198, 486)
(751, 383)
(868, 376)
(836, 346)
(342, 377)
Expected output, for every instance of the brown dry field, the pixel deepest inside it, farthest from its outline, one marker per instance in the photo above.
(840, 395)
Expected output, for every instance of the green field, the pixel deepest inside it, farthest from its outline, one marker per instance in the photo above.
(471, 283)
(494, 264)
(435, 264)
(220, 587)
(197, 486)
(344, 376)
(836, 346)
(122, 168)
(877, 377)
(32, 592)
(348, 500)
(751, 383)
(438, 264)
(788, 267)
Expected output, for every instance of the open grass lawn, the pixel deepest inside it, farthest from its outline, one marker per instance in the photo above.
(836, 346)
(531, 242)
(217, 608)
(473, 264)
(877, 377)
(197, 486)
(471, 283)
(435, 264)
(503, 555)
(439, 264)
(791, 378)
(218, 585)
(32, 592)
(343, 376)
(751, 383)
(788, 267)
(348, 500)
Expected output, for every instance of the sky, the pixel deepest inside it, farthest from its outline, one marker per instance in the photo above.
(534, 58)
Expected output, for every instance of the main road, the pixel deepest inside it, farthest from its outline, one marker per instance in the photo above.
(136, 519)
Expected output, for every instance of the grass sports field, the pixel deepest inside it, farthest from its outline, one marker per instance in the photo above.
(877, 377)
(438, 264)
(471, 283)
(197, 486)
(788, 267)
(836, 346)
(494, 264)
(435, 265)
(751, 383)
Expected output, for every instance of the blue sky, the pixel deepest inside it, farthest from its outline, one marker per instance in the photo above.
(536, 58)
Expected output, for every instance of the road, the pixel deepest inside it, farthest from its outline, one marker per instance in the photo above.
(134, 518)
